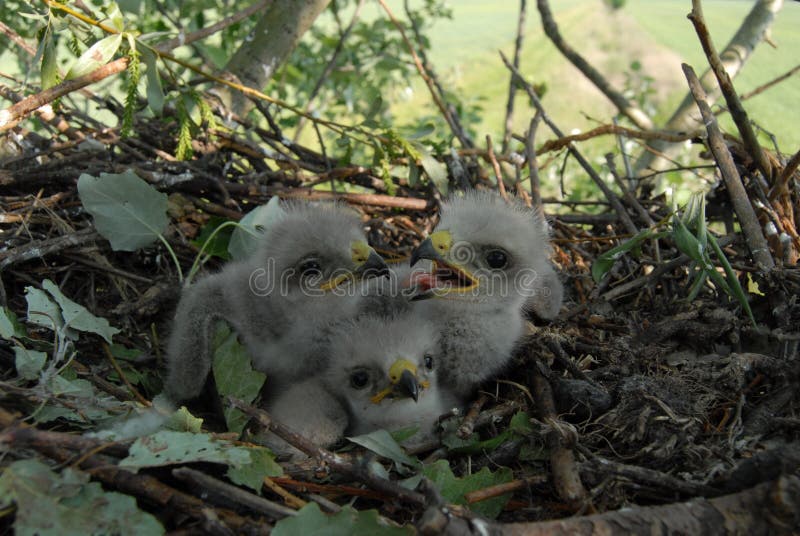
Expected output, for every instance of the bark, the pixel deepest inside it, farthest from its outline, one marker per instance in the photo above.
(733, 59)
(276, 34)
(770, 508)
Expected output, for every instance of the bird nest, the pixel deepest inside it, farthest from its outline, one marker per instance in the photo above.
(633, 396)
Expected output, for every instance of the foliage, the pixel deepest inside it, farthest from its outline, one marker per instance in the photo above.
(234, 375)
(310, 521)
(48, 503)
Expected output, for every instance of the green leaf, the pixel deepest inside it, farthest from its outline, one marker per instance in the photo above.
(95, 56)
(383, 444)
(155, 93)
(29, 363)
(114, 15)
(262, 464)
(49, 63)
(78, 317)
(247, 237)
(49, 504)
(42, 311)
(310, 521)
(604, 262)
(436, 171)
(735, 288)
(453, 489)
(127, 211)
(168, 448)
(9, 325)
(215, 244)
(181, 420)
(688, 244)
(234, 375)
(520, 424)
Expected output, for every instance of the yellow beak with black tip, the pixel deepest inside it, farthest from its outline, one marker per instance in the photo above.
(446, 277)
(434, 248)
(403, 382)
(367, 264)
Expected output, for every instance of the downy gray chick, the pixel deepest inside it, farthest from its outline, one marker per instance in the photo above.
(490, 263)
(281, 301)
(381, 373)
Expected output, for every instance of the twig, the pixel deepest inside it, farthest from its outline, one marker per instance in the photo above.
(533, 167)
(502, 489)
(647, 476)
(566, 479)
(496, 167)
(446, 112)
(291, 499)
(326, 72)
(40, 248)
(186, 39)
(738, 112)
(777, 80)
(512, 86)
(142, 400)
(325, 456)
(230, 496)
(11, 116)
(741, 203)
(782, 184)
(626, 107)
(468, 424)
(611, 196)
(603, 130)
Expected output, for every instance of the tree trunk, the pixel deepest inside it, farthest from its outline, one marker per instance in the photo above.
(733, 57)
(273, 39)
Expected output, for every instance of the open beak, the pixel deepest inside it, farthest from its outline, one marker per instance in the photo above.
(367, 264)
(445, 277)
(403, 382)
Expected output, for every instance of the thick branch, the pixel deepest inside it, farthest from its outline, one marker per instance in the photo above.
(11, 116)
(733, 58)
(769, 508)
(741, 204)
(626, 107)
(738, 112)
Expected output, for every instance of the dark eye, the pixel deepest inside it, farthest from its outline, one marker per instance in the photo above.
(310, 267)
(428, 360)
(359, 379)
(496, 259)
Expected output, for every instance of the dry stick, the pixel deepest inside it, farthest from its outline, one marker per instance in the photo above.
(468, 424)
(610, 195)
(741, 204)
(533, 167)
(12, 115)
(454, 126)
(665, 135)
(291, 499)
(626, 107)
(566, 479)
(781, 186)
(738, 112)
(40, 248)
(230, 496)
(512, 86)
(136, 394)
(326, 72)
(501, 186)
(333, 460)
(502, 489)
(202, 33)
(777, 80)
(651, 477)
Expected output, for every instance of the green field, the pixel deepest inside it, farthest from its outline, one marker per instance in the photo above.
(653, 32)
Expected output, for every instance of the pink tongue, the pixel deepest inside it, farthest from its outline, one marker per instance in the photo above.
(423, 281)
